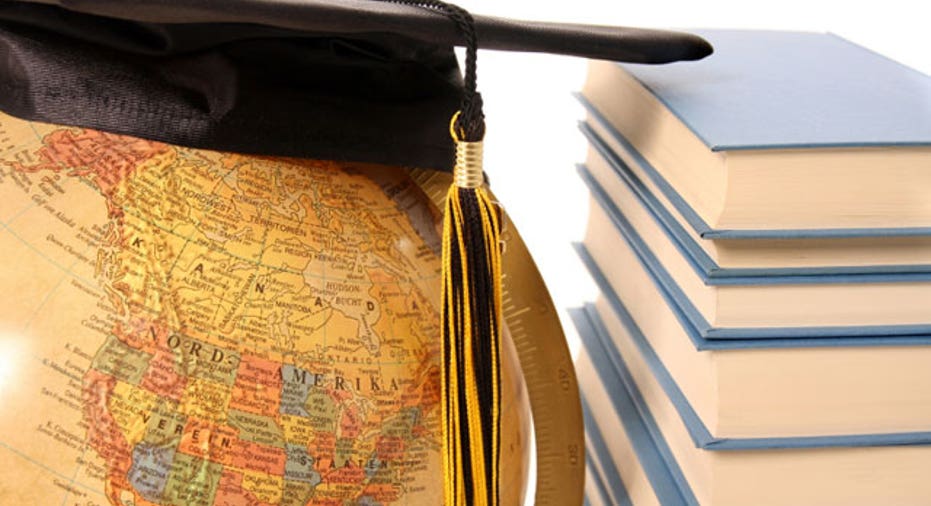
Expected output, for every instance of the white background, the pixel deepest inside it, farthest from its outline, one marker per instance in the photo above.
(532, 144)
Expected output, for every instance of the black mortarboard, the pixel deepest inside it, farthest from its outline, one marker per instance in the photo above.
(348, 80)
(360, 80)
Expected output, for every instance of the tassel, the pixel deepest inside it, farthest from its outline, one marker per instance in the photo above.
(471, 334)
(471, 305)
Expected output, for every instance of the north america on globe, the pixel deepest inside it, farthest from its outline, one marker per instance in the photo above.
(188, 327)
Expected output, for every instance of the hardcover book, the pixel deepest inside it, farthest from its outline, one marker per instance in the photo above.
(761, 306)
(821, 134)
(673, 466)
(728, 252)
(773, 387)
(643, 468)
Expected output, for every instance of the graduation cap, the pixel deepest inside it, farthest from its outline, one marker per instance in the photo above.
(349, 80)
(358, 80)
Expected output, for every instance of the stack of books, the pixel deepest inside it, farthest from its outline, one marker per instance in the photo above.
(760, 229)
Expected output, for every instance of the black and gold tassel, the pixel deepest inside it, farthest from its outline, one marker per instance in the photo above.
(471, 305)
(471, 334)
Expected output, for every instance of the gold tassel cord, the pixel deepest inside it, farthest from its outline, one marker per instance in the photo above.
(471, 335)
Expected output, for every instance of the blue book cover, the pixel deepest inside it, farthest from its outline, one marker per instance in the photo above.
(771, 90)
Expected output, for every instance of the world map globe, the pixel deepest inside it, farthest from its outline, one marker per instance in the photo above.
(194, 328)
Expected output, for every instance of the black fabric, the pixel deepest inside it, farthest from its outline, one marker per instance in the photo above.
(635, 45)
(356, 80)
(249, 89)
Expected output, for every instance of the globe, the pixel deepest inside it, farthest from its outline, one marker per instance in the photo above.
(187, 327)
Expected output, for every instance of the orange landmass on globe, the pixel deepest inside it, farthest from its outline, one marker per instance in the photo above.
(268, 327)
